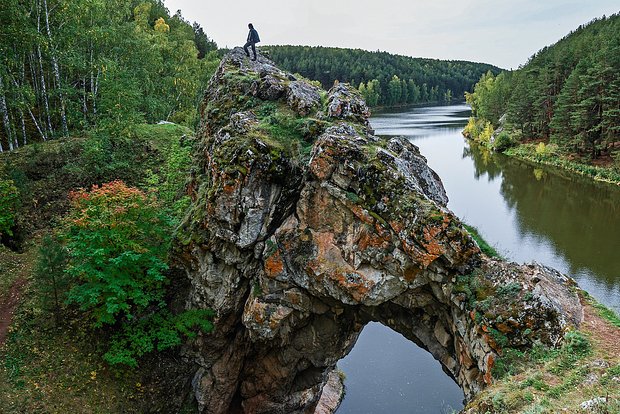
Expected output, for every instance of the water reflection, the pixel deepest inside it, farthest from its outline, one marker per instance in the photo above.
(527, 212)
(386, 373)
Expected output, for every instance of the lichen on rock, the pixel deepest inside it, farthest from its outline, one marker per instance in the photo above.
(304, 227)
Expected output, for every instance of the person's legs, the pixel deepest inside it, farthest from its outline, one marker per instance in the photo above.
(254, 50)
(245, 47)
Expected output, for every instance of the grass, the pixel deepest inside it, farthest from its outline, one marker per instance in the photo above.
(48, 369)
(528, 152)
(484, 246)
(543, 380)
(603, 311)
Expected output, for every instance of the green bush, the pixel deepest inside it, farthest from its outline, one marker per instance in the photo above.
(503, 141)
(117, 239)
(9, 196)
(156, 332)
(169, 180)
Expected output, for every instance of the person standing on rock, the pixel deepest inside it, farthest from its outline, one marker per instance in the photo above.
(252, 40)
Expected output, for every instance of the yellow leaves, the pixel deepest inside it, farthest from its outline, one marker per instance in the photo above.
(93, 375)
(161, 26)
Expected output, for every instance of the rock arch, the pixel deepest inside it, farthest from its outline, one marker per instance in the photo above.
(297, 253)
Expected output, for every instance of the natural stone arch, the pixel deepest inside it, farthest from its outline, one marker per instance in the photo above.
(296, 254)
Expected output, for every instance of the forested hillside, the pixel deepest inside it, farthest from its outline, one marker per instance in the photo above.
(90, 194)
(383, 79)
(567, 95)
(72, 65)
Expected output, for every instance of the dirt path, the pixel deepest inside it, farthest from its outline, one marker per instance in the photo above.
(15, 270)
(604, 334)
(8, 304)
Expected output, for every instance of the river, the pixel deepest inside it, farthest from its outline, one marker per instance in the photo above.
(528, 213)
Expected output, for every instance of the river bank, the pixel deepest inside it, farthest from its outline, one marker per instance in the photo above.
(541, 153)
(527, 212)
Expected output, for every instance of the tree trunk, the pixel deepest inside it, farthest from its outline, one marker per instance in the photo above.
(22, 75)
(56, 69)
(95, 90)
(15, 140)
(23, 122)
(34, 119)
(44, 96)
(5, 116)
(84, 102)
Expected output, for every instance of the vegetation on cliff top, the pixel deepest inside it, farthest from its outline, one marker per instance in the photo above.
(582, 376)
(566, 99)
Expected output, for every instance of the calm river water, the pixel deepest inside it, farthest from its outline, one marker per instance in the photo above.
(528, 213)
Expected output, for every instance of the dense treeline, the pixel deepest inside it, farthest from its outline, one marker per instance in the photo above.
(567, 94)
(71, 65)
(383, 78)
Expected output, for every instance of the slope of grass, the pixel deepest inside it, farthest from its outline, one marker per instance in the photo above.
(586, 370)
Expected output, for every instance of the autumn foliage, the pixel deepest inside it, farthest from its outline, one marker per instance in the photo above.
(117, 241)
(117, 238)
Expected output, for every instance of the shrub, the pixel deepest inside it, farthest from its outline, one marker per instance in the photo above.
(169, 181)
(117, 240)
(156, 332)
(541, 148)
(503, 141)
(470, 130)
(487, 133)
(9, 196)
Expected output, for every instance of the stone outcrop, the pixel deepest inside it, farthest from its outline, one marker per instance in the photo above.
(304, 227)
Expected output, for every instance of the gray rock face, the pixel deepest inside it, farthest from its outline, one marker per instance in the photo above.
(296, 253)
(346, 103)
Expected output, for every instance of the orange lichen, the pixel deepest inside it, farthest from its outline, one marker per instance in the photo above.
(367, 240)
(274, 264)
(488, 378)
(322, 166)
(357, 290)
(397, 226)
(361, 214)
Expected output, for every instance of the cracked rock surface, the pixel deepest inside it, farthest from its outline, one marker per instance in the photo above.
(304, 226)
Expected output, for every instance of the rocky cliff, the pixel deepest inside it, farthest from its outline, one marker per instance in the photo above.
(305, 226)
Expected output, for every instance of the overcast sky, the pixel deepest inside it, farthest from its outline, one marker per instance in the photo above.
(501, 32)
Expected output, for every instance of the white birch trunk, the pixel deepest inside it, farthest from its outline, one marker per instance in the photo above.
(56, 69)
(50, 129)
(5, 116)
(23, 122)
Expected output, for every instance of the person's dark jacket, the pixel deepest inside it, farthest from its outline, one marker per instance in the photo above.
(253, 36)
